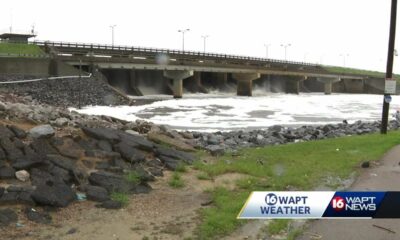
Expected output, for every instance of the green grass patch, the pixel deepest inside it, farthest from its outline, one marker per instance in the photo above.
(123, 198)
(133, 177)
(176, 181)
(221, 218)
(355, 71)
(203, 176)
(20, 48)
(277, 226)
(181, 168)
(299, 166)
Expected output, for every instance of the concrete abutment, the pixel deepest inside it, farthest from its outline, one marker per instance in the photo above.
(177, 77)
(245, 83)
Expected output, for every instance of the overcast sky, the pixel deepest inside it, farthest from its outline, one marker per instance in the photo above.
(319, 31)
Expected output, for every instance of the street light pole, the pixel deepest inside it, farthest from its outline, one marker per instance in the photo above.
(389, 66)
(286, 46)
(112, 34)
(204, 42)
(266, 49)
(183, 31)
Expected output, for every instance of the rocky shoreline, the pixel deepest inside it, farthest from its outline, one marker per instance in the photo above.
(221, 142)
(50, 156)
(69, 92)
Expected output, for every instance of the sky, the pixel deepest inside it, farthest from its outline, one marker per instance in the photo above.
(351, 33)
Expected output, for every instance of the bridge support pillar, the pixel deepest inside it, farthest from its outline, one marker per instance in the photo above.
(292, 85)
(53, 67)
(177, 77)
(328, 82)
(222, 80)
(133, 83)
(328, 87)
(245, 83)
(197, 82)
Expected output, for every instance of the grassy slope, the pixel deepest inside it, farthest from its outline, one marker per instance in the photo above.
(300, 166)
(343, 70)
(19, 48)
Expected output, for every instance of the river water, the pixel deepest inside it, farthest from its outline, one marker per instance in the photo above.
(224, 112)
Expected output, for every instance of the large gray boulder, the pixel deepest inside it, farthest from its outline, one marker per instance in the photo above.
(52, 193)
(96, 193)
(42, 131)
(129, 153)
(111, 182)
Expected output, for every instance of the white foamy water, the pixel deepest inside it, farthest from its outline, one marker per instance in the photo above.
(216, 112)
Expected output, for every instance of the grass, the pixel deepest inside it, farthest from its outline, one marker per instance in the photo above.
(356, 71)
(300, 166)
(19, 48)
(133, 177)
(181, 168)
(176, 181)
(276, 226)
(123, 198)
(203, 176)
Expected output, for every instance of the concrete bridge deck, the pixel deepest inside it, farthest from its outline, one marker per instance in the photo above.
(179, 65)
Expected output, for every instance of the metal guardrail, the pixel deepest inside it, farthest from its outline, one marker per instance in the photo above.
(24, 55)
(45, 79)
(131, 49)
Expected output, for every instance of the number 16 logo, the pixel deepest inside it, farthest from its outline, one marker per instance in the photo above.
(338, 203)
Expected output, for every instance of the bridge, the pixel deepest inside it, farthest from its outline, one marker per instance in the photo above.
(174, 69)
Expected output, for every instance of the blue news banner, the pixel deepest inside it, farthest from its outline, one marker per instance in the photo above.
(321, 204)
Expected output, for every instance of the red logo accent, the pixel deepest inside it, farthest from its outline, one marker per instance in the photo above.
(338, 204)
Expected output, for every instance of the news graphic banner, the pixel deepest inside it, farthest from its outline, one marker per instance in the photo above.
(321, 204)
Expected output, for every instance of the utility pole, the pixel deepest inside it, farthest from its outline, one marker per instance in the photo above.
(79, 86)
(183, 31)
(389, 67)
(266, 49)
(112, 34)
(204, 42)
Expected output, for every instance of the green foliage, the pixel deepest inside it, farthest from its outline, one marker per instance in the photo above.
(203, 176)
(356, 71)
(276, 226)
(123, 198)
(221, 218)
(19, 48)
(176, 181)
(181, 167)
(133, 177)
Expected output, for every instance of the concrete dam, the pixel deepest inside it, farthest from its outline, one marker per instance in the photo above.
(148, 71)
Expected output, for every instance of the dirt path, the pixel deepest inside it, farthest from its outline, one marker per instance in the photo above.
(164, 213)
(383, 177)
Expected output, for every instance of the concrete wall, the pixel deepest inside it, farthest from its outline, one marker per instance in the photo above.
(375, 85)
(36, 66)
(26, 66)
(146, 82)
(353, 85)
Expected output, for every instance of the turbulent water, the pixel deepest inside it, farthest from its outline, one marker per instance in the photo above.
(222, 112)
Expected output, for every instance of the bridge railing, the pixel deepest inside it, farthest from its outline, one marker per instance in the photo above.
(127, 49)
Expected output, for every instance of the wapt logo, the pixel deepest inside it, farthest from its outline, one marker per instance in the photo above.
(354, 204)
(271, 199)
(338, 203)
